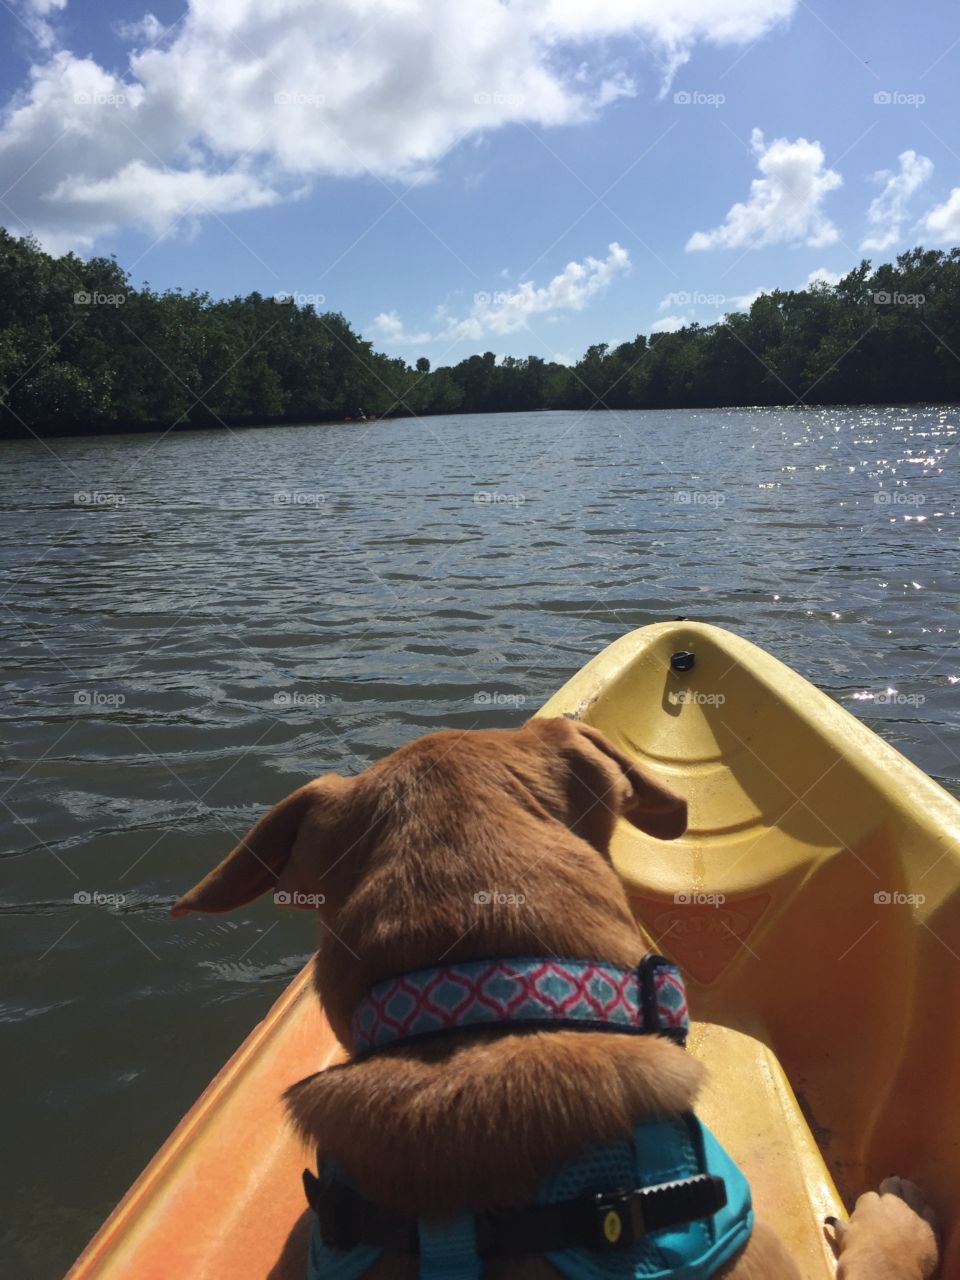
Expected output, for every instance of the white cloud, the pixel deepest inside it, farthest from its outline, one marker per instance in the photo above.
(569, 290)
(821, 276)
(512, 309)
(165, 195)
(275, 93)
(670, 324)
(784, 204)
(888, 211)
(744, 301)
(389, 329)
(672, 26)
(147, 29)
(943, 221)
(35, 15)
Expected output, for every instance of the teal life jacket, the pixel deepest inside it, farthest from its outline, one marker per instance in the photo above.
(659, 1151)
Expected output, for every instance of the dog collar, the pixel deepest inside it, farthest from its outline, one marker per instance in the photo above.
(526, 992)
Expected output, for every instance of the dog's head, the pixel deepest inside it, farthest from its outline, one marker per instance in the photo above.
(453, 791)
(460, 845)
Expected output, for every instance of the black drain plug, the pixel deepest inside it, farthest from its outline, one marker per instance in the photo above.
(682, 660)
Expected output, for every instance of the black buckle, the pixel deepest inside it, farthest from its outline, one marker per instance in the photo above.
(618, 1220)
(326, 1199)
(311, 1188)
(622, 1218)
(346, 1220)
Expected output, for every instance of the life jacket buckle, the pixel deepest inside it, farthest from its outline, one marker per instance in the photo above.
(618, 1220)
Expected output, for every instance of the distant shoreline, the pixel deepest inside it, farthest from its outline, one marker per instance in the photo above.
(60, 432)
(245, 424)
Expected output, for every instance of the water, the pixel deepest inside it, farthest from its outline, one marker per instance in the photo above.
(219, 616)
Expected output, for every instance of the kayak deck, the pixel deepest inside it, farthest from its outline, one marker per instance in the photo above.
(793, 970)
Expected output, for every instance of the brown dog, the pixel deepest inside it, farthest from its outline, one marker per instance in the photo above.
(397, 858)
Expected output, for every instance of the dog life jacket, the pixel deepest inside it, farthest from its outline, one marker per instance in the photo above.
(664, 1203)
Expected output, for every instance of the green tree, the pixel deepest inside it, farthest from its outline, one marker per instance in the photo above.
(82, 350)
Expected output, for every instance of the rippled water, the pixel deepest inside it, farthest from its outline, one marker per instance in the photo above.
(195, 624)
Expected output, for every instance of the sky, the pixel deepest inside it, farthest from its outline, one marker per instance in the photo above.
(525, 176)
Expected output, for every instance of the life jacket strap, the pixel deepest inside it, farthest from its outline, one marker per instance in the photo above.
(603, 1223)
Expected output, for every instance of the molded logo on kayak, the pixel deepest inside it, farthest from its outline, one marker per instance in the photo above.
(701, 936)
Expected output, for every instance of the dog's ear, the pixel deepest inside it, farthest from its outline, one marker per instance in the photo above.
(257, 863)
(646, 803)
(600, 772)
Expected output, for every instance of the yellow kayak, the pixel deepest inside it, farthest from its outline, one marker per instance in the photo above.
(814, 906)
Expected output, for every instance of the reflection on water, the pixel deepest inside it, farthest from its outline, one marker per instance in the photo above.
(195, 624)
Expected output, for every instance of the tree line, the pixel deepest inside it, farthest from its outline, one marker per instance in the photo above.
(83, 351)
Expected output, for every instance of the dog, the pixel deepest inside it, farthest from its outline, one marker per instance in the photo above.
(485, 846)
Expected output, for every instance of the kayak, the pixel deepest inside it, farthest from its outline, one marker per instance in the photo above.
(813, 905)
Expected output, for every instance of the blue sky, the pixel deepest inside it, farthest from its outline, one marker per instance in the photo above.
(467, 175)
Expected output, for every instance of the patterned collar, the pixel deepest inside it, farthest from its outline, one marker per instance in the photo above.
(529, 991)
